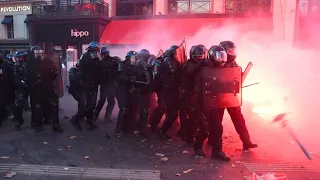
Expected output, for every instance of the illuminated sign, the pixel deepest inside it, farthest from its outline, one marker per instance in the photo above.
(15, 9)
(76, 33)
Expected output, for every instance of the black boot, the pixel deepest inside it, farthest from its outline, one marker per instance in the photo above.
(199, 152)
(75, 123)
(57, 128)
(220, 155)
(249, 145)
(18, 125)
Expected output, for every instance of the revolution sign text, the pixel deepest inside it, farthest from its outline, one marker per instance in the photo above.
(15, 9)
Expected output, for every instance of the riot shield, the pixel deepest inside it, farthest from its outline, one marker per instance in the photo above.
(181, 53)
(221, 87)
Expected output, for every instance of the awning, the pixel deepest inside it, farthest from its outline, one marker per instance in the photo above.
(7, 20)
(132, 32)
(26, 20)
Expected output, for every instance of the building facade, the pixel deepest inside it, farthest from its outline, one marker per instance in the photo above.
(14, 33)
(67, 23)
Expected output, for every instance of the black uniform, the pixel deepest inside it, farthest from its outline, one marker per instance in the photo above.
(170, 75)
(135, 81)
(210, 122)
(108, 86)
(187, 98)
(90, 78)
(238, 119)
(6, 80)
(75, 88)
(42, 74)
(21, 91)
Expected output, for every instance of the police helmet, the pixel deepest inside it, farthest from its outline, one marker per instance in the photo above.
(151, 59)
(117, 58)
(20, 54)
(218, 55)
(198, 53)
(94, 46)
(36, 49)
(131, 57)
(230, 49)
(10, 58)
(105, 50)
(144, 52)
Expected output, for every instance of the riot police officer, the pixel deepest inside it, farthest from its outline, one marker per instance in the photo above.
(21, 84)
(187, 109)
(42, 76)
(235, 112)
(108, 84)
(122, 92)
(75, 88)
(210, 121)
(6, 79)
(136, 77)
(170, 75)
(90, 68)
(10, 61)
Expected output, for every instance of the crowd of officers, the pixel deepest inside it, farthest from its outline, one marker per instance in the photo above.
(134, 82)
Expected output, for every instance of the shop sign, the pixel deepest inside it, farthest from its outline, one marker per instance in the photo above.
(15, 9)
(76, 33)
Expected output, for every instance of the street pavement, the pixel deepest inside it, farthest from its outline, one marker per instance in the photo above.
(26, 155)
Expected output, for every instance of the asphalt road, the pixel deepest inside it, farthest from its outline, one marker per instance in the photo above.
(61, 156)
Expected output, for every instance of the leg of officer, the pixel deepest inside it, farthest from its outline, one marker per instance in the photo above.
(123, 111)
(102, 100)
(241, 127)
(54, 106)
(182, 133)
(216, 131)
(144, 105)
(172, 103)
(91, 99)
(36, 114)
(158, 113)
(19, 105)
(111, 102)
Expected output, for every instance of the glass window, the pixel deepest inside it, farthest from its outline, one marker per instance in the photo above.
(189, 6)
(134, 7)
(240, 6)
(9, 28)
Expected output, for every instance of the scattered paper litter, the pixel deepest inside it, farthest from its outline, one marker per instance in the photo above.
(10, 174)
(86, 157)
(159, 154)
(4, 157)
(73, 137)
(187, 171)
(178, 174)
(185, 152)
(269, 176)
(164, 159)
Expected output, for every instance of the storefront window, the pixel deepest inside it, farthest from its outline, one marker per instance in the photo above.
(189, 6)
(9, 27)
(241, 6)
(134, 7)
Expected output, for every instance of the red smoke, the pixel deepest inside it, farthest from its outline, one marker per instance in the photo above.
(289, 76)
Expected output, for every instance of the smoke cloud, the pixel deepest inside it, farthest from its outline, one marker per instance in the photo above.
(288, 76)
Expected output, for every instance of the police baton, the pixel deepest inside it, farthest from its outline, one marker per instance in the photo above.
(281, 119)
(250, 85)
(140, 82)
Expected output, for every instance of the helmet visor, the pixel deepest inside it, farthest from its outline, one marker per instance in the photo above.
(220, 56)
(232, 51)
(133, 59)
